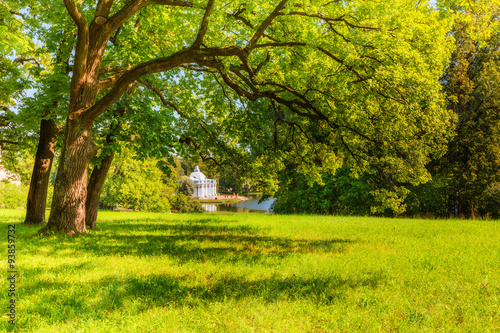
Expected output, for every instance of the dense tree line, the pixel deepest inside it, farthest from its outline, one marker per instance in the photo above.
(466, 179)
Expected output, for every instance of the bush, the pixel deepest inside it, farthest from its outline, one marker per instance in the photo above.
(154, 204)
(492, 199)
(183, 204)
(13, 196)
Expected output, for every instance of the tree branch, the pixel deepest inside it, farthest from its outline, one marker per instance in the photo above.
(109, 69)
(278, 44)
(204, 25)
(240, 18)
(9, 142)
(340, 61)
(22, 60)
(18, 14)
(102, 8)
(162, 97)
(332, 19)
(75, 14)
(81, 50)
(264, 25)
(156, 66)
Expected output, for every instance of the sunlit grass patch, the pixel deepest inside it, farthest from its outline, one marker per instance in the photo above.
(251, 273)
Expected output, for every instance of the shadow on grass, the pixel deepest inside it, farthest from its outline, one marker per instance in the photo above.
(191, 242)
(61, 302)
(160, 290)
(195, 241)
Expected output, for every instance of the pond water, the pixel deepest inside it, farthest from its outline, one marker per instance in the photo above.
(252, 205)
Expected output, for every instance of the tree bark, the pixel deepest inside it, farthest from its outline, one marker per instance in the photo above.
(94, 188)
(37, 195)
(67, 213)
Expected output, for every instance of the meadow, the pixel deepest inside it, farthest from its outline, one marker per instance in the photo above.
(145, 272)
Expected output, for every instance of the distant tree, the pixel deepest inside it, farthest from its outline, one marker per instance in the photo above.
(471, 82)
(186, 186)
(340, 193)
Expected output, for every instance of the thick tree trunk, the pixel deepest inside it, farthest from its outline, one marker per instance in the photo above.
(94, 188)
(37, 195)
(67, 213)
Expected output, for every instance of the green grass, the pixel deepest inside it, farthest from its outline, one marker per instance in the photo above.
(257, 273)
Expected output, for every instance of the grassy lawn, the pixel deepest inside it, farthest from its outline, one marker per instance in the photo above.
(257, 273)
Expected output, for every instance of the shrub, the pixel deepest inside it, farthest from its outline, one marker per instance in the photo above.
(184, 204)
(13, 196)
(492, 198)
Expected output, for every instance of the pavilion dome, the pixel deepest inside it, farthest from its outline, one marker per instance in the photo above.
(197, 174)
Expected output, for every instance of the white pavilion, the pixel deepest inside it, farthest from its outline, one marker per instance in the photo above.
(203, 187)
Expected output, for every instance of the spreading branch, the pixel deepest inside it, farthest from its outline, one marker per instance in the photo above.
(22, 60)
(2, 142)
(156, 66)
(18, 14)
(204, 25)
(82, 43)
(265, 24)
(162, 97)
(201, 122)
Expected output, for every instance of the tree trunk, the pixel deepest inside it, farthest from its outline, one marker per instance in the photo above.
(67, 213)
(37, 195)
(99, 173)
(94, 188)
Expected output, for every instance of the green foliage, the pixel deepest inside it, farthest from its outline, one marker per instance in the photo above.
(14, 44)
(462, 177)
(491, 196)
(186, 186)
(181, 203)
(339, 194)
(136, 184)
(12, 196)
(472, 85)
(146, 272)
(19, 161)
